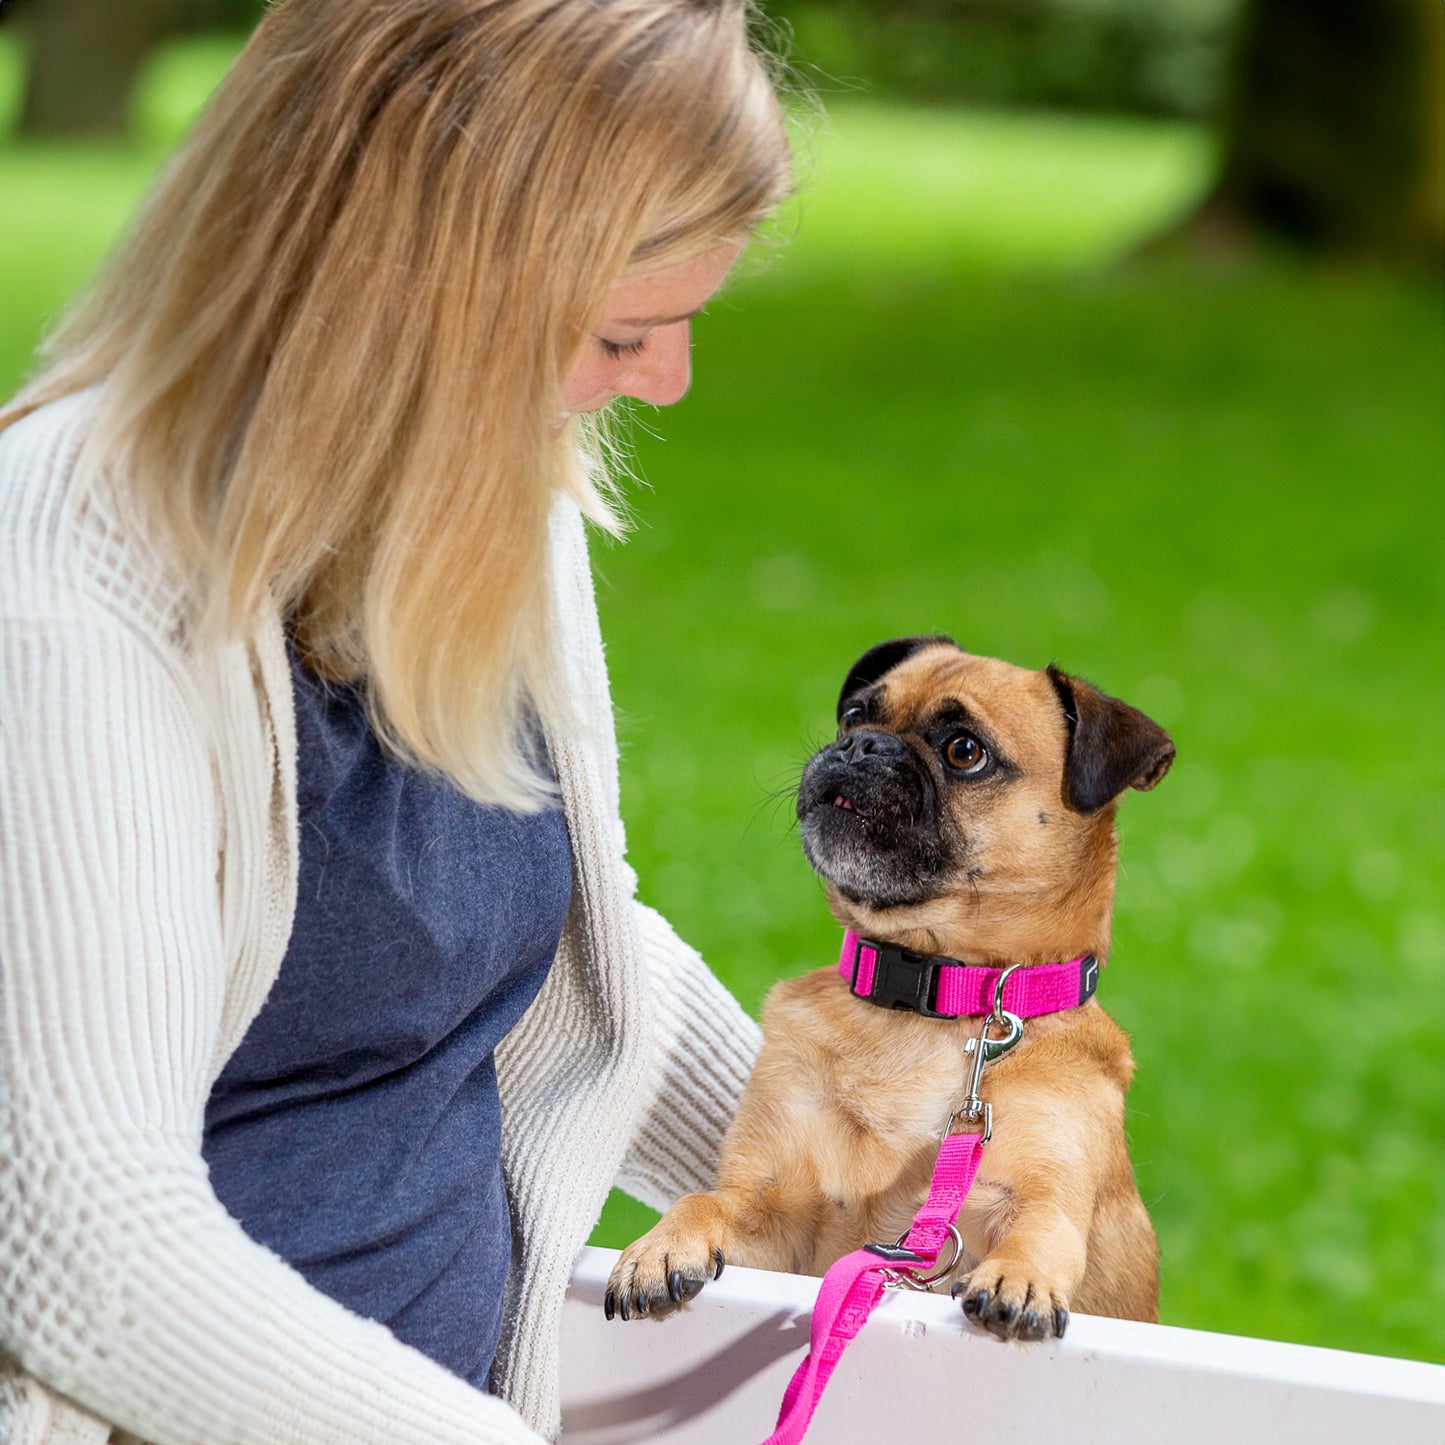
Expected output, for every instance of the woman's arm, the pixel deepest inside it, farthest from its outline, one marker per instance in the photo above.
(123, 1281)
(703, 1053)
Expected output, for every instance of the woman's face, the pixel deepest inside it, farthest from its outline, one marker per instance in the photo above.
(640, 345)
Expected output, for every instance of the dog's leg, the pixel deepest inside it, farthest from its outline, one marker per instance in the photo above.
(687, 1247)
(1029, 1218)
(672, 1261)
(765, 1212)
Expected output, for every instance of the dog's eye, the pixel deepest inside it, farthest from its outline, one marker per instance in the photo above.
(851, 718)
(964, 752)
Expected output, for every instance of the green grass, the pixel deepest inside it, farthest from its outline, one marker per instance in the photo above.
(895, 189)
(1216, 491)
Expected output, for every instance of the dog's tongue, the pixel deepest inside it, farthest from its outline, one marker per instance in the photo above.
(841, 802)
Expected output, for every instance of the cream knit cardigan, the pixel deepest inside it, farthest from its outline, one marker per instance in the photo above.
(148, 865)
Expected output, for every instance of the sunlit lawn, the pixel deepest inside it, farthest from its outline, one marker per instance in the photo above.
(943, 405)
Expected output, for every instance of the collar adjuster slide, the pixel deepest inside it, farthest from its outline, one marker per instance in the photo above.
(895, 1253)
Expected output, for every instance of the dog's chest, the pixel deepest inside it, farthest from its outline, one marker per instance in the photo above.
(889, 1111)
(888, 1079)
(871, 1091)
(901, 1097)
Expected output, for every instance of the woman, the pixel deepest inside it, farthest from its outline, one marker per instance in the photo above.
(300, 662)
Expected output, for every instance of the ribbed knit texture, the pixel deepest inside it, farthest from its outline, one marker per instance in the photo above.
(148, 860)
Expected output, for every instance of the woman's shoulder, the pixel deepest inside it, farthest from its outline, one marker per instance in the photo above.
(69, 545)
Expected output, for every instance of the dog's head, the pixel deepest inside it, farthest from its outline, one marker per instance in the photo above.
(967, 805)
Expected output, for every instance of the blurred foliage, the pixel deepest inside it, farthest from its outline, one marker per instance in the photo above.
(1333, 129)
(85, 55)
(1154, 57)
(173, 85)
(184, 16)
(1215, 489)
(1150, 57)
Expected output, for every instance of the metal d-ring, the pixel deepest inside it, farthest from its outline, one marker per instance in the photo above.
(925, 1282)
(999, 1016)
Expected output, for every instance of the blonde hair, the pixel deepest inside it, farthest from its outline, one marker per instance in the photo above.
(334, 339)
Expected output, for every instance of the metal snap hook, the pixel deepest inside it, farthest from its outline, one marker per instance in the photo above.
(985, 1050)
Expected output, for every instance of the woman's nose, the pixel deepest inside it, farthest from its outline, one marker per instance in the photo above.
(661, 374)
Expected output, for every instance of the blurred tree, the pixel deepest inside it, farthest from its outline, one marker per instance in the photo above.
(1151, 57)
(1331, 129)
(84, 55)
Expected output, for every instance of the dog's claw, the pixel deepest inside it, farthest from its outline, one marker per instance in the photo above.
(1000, 1318)
(681, 1288)
(720, 1259)
(1037, 1316)
(641, 1302)
(609, 1304)
(624, 1307)
(959, 1285)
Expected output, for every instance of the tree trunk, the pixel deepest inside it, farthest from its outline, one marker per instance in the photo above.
(84, 59)
(1331, 129)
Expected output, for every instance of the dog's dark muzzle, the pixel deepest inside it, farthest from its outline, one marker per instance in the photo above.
(869, 814)
(873, 774)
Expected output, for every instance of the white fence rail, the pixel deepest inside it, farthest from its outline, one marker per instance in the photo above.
(714, 1374)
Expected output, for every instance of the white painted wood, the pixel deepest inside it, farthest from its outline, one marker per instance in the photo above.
(714, 1374)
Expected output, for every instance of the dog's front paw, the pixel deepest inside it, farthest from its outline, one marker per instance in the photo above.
(1009, 1304)
(664, 1269)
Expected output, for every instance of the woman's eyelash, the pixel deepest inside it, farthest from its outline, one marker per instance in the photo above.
(614, 349)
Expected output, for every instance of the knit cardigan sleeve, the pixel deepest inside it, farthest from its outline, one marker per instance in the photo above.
(124, 1284)
(703, 1051)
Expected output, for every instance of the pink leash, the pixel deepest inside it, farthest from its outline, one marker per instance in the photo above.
(852, 1288)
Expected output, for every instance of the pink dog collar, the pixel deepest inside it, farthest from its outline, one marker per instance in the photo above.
(944, 988)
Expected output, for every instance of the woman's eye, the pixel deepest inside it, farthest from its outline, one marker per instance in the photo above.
(613, 349)
(965, 753)
(851, 718)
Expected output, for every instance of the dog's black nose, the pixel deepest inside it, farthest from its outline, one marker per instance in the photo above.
(866, 742)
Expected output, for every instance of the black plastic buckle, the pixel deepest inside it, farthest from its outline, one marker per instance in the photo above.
(900, 980)
(1088, 978)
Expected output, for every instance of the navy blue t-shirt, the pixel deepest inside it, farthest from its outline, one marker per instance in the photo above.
(356, 1131)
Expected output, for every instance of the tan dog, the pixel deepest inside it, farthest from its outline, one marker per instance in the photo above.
(966, 810)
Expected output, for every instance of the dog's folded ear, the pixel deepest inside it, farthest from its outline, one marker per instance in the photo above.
(884, 658)
(1112, 746)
